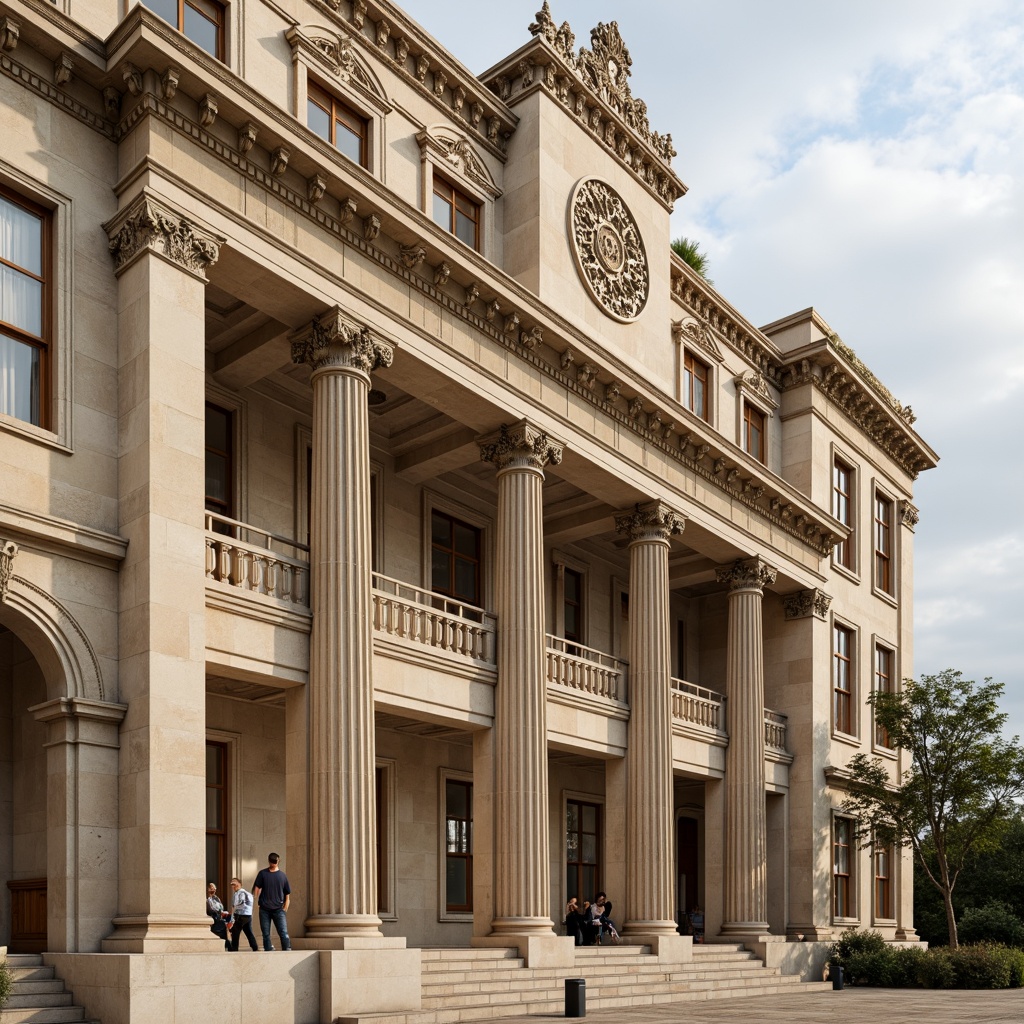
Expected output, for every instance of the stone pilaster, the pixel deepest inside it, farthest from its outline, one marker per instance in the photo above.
(745, 912)
(650, 873)
(522, 889)
(342, 814)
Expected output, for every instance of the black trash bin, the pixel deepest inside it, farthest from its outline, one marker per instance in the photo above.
(835, 975)
(575, 997)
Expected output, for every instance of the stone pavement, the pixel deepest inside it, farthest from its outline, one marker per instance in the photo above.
(851, 1006)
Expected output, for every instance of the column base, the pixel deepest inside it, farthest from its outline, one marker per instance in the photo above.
(149, 933)
(340, 926)
(740, 931)
(907, 935)
(542, 951)
(808, 933)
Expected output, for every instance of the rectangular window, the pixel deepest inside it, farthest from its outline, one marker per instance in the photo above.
(884, 659)
(456, 212)
(337, 123)
(842, 509)
(572, 605)
(753, 431)
(219, 464)
(582, 850)
(458, 822)
(842, 679)
(842, 866)
(202, 21)
(382, 839)
(883, 544)
(455, 558)
(695, 385)
(25, 279)
(883, 882)
(217, 815)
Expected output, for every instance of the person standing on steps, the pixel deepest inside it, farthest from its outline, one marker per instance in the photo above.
(216, 910)
(241, 918)
(271, 892)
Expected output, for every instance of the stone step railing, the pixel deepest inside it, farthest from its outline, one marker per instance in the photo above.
(256, 561)
(775, 731)
(578, 667)
(424, 617)
(697, 706)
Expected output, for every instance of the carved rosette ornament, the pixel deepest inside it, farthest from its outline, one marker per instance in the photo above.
(805, 603)
(148, 225)
(608, 250)
(333, 341)
(746, 574)
(519, 446)
(8, 549)
(653, 520)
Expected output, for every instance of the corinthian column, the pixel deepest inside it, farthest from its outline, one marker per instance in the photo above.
(649, 810)
(745, 829)
(342, 820)
(522, 889)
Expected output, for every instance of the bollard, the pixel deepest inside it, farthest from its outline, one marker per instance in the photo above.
(575, 997)
(835, 975)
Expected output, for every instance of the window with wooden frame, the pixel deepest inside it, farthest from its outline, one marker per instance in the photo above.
(582, 850)
(220, 469)
(458, 826)
(883, 859)
(883, 544)
(842, 867)
(25, 309)
(201, 21)
(885, 660)
(455, 558)
(842, 509)
(753, 431)
(572, 605)
(217, 815)
(338, 123)
(456, 212)
(695, 385)
(842, 679)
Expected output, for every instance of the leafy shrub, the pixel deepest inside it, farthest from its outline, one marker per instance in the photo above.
(6, 981)
(981, 966)
(854, 944)
(937, 969)
(994, 922)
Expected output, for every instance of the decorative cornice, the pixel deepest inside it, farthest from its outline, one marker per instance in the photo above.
(650, 521)
(746, 574)
(520, 446)
(805, 603)
(337, 342)
(909, 515)
(8, 550)
(754, 384)
(696, 333)
(149, 225)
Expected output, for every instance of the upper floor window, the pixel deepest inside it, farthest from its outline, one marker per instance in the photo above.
(842, 867)
(884, 659)
(753, 431)
(456, 212)
(572, 605)
(883, 882)
(338, 123)
(842, 679)
(24, 309)
(695, 385)
(883, 544)
(202, 21)
(219, 463)
(842, 509)
(455, 558)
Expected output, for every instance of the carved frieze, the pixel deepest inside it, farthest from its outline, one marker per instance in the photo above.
(805, 603)
(746, 574)
(651, 521)
(608, 249)
(8, 550)
(521, 445)
(334, 340)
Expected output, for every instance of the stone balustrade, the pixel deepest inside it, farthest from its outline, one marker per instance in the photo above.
(775, 731)
(697, 706)
(582, 668)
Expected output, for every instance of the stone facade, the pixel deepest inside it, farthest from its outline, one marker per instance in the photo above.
(524, 564)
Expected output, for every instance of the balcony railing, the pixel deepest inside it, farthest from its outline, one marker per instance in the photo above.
(578, 667)
(439, 622)
(775, 731)
(697, 706)
(256, 561)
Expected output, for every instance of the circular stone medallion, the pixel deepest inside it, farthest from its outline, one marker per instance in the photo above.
(608, 250)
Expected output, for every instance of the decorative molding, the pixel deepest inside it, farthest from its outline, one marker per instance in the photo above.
(208, 110)
(8, 551)
(454, 152)
(412, 255)
(746, 574)
(441, 274)
(279, 161)
(910, 516)
(10, 31)
(333, 340)
(753, 385)
(132, 78)
(520, 446)
(247, 135)
(63, 69)
(316, 186)
(650, 521)
(805, 603)
(608, 250)
(694, 333)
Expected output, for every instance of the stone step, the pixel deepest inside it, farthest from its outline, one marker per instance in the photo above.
(33, 986)
(483, 953)
(444, 966)
(40, 1000)
(21, 974)
(42, 1015)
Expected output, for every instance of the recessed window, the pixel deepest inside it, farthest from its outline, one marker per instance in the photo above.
(695, 385)
(338, 123)
(456, 212)
(842, 679)
(842, 867)
(842, 509)
(753, 431)
(24, 309)
(582, 850)
(572, 605)
(883, 882)
(458, 814)
(219, 464)
(217, 814)
(884, 661)
(455, 558)
(883, 544)
(202, 21)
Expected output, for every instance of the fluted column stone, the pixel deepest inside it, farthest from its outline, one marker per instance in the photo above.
(522, 884)
(650, 870)
(745, 911)
(342, 819)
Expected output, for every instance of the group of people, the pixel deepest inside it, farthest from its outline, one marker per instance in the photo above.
(591, 922)
(270, 892)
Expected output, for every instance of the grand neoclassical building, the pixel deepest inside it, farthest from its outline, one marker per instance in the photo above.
(378, 488)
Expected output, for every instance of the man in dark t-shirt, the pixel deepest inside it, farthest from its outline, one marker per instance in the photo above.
(271, 892)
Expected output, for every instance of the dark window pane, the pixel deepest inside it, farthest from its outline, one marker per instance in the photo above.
(218, 428)
(465, 580)
(166, 9)
(441, 571)
(213, 859)
(572, 585)
(318, 120)
(213, 809)
(456, 881)
(455, 800)
(572, 817)
(440, 529)
(466, 540)
(589, 849)
(442, 212)
(589, 818)
(465, 229)
(348, 142)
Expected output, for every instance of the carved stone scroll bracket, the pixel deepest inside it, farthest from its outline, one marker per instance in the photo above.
(371, 226)
(650, 521)
(412, 255)
(10, 32)
(441, 274)
(316, 186)
(169, 83)
(247, 136)
(132, 78)
(147, 225)
(747, 574)
(279, 161)
(63, 69)
(347, 208)
(208, 110)
(335, 340)
(909, 515)
(805, 603)
(112, 102)
(8, 551)
(521, 445)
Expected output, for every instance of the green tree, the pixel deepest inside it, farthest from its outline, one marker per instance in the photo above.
(961, 789)
(688, 250)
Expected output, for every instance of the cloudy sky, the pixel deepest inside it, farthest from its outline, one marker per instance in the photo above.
(866, 159)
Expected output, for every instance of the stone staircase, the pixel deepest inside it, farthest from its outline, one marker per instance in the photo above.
(38, 997)
(477, 984)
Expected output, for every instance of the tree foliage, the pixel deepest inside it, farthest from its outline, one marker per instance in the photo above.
(688, 250)
(960, 791)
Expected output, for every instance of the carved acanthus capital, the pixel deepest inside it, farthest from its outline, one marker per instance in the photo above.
(520, 446)
(909, 514)
(334, 341)
(746, 574)
(148, 225)
(805, 603)
(8, 549)
(653, 520)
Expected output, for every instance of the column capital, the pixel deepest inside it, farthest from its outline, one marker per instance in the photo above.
(521, 445)
(746, 574)
(805, 603)
(652, 520)
(334, 340)
(151, 225)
